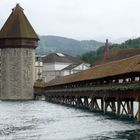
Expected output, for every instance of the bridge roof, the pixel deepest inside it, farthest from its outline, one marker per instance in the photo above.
(115, 68)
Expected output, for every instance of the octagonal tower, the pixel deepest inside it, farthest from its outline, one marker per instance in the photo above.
(18, 41)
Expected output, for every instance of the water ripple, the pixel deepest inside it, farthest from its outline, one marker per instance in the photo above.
(39, 120)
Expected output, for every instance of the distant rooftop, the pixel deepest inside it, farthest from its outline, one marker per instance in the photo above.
(119, 54)
(72, 66)
(60, 54)
(59, 57)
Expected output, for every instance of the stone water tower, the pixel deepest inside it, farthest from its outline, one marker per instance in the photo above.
(18, 41)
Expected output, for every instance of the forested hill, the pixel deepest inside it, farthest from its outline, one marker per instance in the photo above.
(131, 43)
(48, 44)
(125, 49)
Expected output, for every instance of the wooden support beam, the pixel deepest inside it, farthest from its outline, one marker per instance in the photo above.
(74, 101)
(118, 107)
(63, 99)
(102, 104)
(79, 102)
(91, 104)
(130, 108)
(106, 106)
(86, 104)
(110, 104)
(123, 108)
(96, 105)
(113, 106)
(138, 118)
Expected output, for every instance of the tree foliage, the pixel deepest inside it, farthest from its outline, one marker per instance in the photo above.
(93, 56)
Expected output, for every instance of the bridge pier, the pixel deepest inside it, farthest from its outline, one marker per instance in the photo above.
(91, 105)
(118, 107)
(102, 104)
(86, 104)
(79, 102)
(121, 107)
(113, 107)
(94, 105)
(130, 108)
(106, 106)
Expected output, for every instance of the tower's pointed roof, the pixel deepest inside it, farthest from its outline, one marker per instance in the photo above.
(17, 26)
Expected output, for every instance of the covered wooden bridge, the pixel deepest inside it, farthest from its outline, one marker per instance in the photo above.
(111, 87)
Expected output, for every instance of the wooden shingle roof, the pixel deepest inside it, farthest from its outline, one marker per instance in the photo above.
(17, 26)
(124, 66)
(119, 54)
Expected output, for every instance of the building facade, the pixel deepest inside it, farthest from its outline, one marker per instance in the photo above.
(38, 68)
(74, 68)
(58, 64)
(18, 41)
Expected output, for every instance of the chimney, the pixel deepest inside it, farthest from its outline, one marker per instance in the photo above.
(106, 50)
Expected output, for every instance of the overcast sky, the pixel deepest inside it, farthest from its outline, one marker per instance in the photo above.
(80, 19)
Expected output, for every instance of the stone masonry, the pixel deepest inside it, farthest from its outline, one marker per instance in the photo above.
(18, 41)
(17, 71)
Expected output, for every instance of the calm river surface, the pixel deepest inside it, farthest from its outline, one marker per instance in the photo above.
(39, 120)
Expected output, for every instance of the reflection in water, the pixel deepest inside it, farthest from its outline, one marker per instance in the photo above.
(39, 120)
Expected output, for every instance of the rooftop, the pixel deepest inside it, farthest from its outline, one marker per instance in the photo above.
(119, 54)
(59, 57)
(72, 66)
(17, 26)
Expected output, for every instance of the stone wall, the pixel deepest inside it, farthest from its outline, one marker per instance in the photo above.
(17, 69)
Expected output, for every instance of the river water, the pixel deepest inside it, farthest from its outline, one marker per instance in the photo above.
(39, 120)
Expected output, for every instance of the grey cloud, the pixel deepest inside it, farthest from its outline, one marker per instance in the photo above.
(80, 19)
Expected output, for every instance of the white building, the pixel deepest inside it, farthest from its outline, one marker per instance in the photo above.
(58, 64)
(38, 68)
(74, 68)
